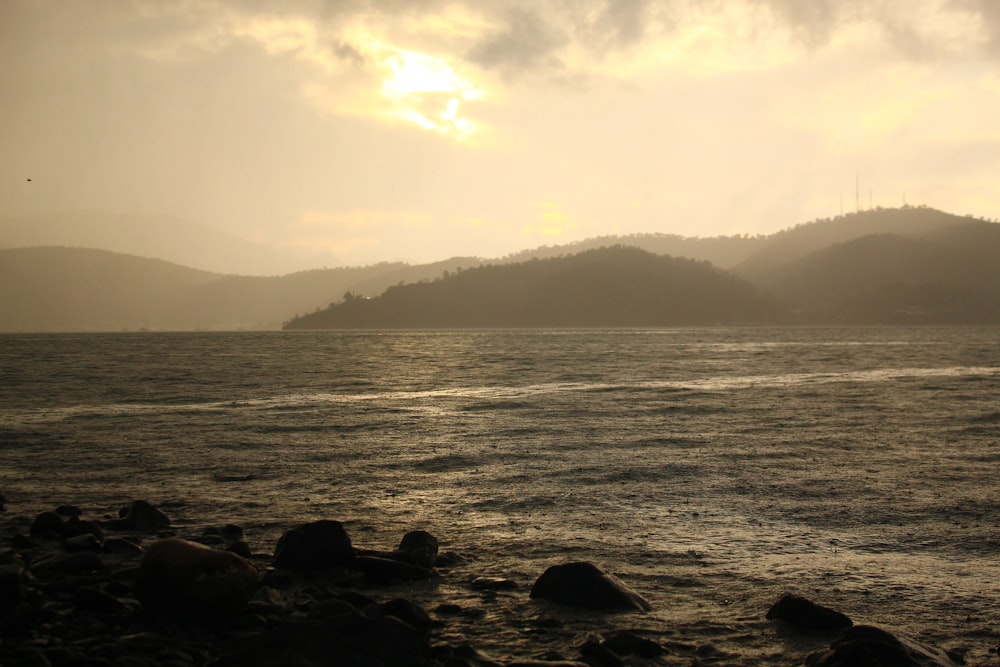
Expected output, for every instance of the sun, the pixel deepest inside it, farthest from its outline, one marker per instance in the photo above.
(426, 91)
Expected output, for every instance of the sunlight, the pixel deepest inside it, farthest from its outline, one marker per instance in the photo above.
(426, 91)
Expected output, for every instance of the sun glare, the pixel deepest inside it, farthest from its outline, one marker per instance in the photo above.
(426, 91)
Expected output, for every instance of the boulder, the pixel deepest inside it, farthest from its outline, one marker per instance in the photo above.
(381, 571)
(585, 585)
(47, 524)
(806, 616)
(141, 515)
(186, 578)
(419, 548)
(320, 545)
(868, 646)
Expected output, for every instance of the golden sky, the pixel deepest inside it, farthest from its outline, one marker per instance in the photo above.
(370, 130)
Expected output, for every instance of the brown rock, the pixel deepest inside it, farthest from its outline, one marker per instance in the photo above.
(181, 577)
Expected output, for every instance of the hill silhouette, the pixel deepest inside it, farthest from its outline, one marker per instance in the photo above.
(911, 265)
(608, 287)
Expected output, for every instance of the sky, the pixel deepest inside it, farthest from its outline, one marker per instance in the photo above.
(417, 130)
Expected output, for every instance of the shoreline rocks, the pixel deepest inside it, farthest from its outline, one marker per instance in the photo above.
(103, 599)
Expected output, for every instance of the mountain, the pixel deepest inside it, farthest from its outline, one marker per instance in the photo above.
(797, 242)
(607, 287)
(77, 289)
(722, 251)
(176, 241)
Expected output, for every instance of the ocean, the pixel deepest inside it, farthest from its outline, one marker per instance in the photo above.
(710, 469)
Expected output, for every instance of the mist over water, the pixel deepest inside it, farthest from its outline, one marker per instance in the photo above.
(712, 469)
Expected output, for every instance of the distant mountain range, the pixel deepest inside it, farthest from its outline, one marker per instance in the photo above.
(910, 265)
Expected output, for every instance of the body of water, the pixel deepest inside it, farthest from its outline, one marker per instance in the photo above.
(711, 469)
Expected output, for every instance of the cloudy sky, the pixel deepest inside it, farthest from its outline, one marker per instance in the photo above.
(421, 129)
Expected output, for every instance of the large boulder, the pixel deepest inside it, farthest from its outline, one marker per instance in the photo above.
(868, 646)
(179, 577)
(585, 585)
(320, 545)
(806, 616)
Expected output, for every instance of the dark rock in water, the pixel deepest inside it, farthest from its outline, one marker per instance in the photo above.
(69, 511)
(240, 548)
(47, 524)
(409, 612)
(585, 585)
(807, 616)
(868, 646)
(84, 542)
(231, 532)
(419, 548)
(349, 640)
(388, 571)
(493, 584)
(629, 643)
(74, 527)
(320, 545)
(185, 578)
(594, 650)
(141, 515)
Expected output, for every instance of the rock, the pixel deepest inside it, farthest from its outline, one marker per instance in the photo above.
(419, 548)
(47, 524)
(121, 546)
(320, 545)
(141, 515)
(84, 542)
(629, 643)
(240, 548)
(806, 616)
(381, 571)
(78, 562)
(585, 585)
(74, 527)
(89, 598)
(493, 584)
(409, 612)
(868, 646)
(181, 577)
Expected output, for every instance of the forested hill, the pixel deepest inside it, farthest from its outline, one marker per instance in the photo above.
(606, 287)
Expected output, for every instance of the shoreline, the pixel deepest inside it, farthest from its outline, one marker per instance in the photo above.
(70, 594)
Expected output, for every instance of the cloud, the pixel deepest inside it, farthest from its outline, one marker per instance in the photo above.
(525, 42)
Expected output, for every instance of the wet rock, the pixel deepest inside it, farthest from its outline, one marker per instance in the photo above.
(868, 646)
(419, 548)
(585, 585)
(47, 524)
(75, 526)
(141, 515)
(493, 584)
(594, 650)
(382, 571)
(806, 616)
(84, 542)
(320, 545)
(181, 577)
(629, 643)
(409, 612)
(240, 548)
(121, 546)
(79, 562)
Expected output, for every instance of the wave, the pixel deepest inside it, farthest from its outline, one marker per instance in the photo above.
(487, 397)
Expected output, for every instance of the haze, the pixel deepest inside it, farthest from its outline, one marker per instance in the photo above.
(356, 132)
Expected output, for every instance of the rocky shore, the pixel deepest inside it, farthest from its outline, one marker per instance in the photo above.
(133, 590)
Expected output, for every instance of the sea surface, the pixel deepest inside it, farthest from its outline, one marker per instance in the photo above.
(710, 469)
